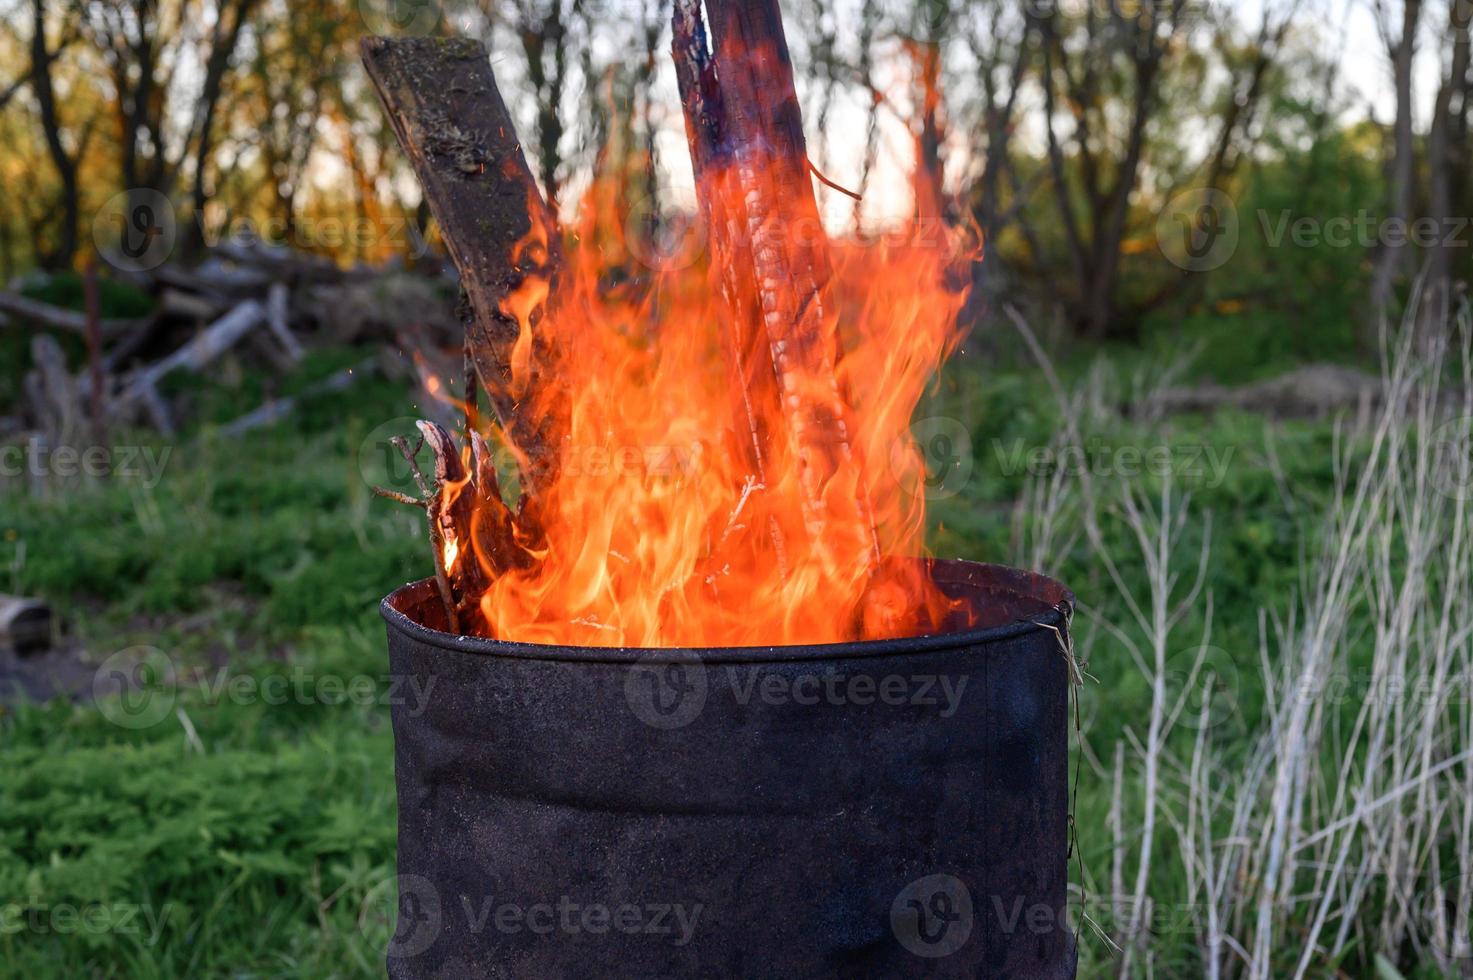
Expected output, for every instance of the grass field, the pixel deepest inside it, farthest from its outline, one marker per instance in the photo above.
(241, 822)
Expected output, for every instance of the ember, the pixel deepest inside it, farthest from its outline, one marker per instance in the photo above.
(781, 371)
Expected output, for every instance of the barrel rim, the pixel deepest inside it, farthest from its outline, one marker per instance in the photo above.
(1057, 600)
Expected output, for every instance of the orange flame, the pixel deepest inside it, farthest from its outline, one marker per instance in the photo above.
(656, 530)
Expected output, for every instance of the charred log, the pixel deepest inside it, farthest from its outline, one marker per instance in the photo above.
(442, 99)
(751, 162)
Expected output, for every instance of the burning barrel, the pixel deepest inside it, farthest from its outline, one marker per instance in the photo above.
(882, 808)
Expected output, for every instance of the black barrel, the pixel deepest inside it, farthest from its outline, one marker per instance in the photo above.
(887, 808)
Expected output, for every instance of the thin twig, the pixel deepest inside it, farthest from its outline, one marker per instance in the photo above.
(431, 506)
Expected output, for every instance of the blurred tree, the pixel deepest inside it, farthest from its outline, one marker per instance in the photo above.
(231, 17)
(65, 161)
(1447, 167)
(302, 49)
(1422, 202)
(827, 65)
(1069, 127)
(1101, 70)
(542, 28)
(929, 35)
(869, 24)
(998, 40)
(153, 50)
(654, 15)
(1401, 47)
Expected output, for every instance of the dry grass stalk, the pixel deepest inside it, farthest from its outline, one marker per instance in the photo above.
(1348, 830)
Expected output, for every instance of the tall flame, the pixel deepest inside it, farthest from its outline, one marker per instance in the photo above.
(656, 529)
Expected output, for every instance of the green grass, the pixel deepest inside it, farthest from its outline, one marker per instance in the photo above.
(244, 838)
(249, 846)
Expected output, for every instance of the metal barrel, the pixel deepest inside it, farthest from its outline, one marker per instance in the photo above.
(884, 808)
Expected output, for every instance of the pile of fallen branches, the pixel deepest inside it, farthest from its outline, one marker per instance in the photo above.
(259, 305)
(753, 180)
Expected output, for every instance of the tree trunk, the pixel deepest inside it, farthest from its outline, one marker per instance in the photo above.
(222, 49)
(1443, 159)
(1390, 259)
(62, 255)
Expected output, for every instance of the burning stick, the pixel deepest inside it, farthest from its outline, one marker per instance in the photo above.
(476, 526)
(472, 531)
(450, 512)
(430, 503)
(752, 172)
(442, 99)
(493, 527)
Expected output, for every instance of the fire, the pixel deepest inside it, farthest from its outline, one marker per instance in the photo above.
(451, 552)
(655, 531)
(706, 488)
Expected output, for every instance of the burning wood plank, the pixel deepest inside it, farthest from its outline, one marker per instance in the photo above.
(442, 99)
(751, 163)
